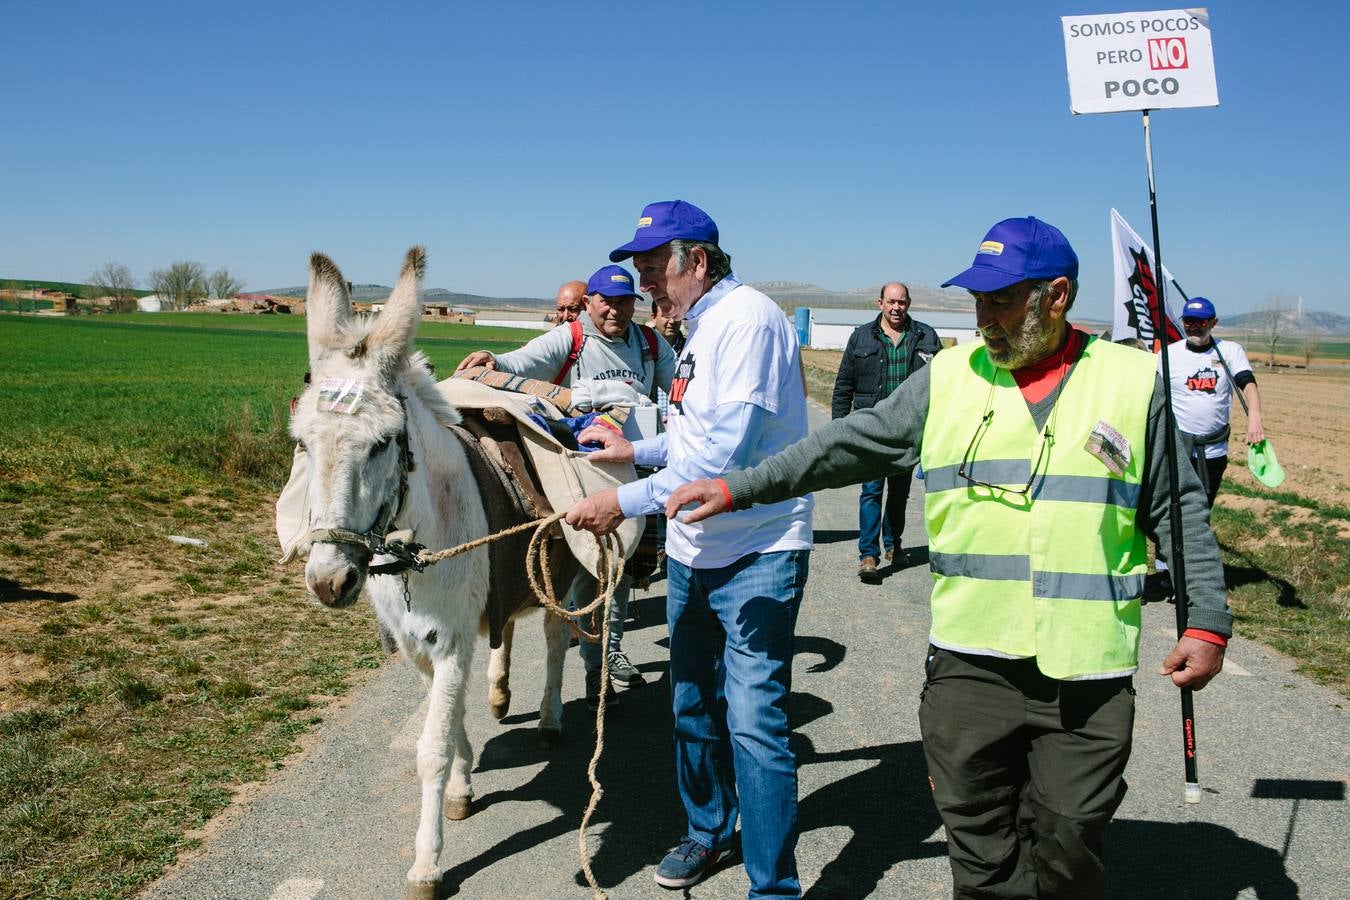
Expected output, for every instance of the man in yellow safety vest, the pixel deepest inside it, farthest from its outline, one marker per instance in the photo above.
(1043, 452)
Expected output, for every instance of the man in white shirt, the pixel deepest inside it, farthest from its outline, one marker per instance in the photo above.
(1205, 371)
(736, 581)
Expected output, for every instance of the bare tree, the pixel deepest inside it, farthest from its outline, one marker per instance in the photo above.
(223, 285)
(10, 291)
(1270, 324)
(115, 281)
(1308, 345)
(180, 284)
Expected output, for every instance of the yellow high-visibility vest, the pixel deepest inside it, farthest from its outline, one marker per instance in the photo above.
(1055, 573)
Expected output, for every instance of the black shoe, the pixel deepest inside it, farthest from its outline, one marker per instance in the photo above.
(593, 692)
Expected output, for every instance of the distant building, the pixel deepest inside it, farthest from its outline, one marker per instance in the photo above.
(829, 329)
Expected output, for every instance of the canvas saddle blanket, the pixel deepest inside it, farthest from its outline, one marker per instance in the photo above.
(540, 475)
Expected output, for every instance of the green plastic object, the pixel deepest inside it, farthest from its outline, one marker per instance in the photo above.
(1263, 464)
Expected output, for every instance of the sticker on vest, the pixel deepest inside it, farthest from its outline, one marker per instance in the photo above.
(340, 395)
(1109, 446)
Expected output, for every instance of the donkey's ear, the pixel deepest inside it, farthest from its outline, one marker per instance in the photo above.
(392, 336)
(328, 304)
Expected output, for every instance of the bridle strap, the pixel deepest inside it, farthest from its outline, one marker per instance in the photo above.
(375, 541)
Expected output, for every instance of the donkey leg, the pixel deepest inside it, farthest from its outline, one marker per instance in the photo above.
(459, 793)
(550, 708)
(445, 718)
(499, 673)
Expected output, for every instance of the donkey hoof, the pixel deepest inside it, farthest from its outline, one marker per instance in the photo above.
(457, 808)
(550, 738)
(422, 890)
(499, 705)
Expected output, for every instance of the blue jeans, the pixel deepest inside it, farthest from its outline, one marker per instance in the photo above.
(731, 643)
(582, 593)
(870, 518)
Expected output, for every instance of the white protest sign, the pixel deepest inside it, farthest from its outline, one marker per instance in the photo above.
(1142, 60)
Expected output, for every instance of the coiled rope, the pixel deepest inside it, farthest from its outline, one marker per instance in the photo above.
(537, 569)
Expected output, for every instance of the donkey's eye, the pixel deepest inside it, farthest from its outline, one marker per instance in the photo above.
(380, 447)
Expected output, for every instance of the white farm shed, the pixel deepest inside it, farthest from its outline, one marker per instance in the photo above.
(152, 303)
(828, 329)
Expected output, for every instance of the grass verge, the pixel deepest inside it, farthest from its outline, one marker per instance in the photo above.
(142, 681)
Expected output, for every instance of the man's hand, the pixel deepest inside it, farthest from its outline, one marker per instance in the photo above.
(599, 513)
(615, 447)
(477, 358)
(709, 494)
(1255, 433)
(1192, 663)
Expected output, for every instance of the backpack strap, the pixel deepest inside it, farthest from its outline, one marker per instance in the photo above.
(577, 341)
(650, 335)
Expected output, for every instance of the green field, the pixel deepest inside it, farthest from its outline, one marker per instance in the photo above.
(142, 681)
(1336, 348)
(114, 396)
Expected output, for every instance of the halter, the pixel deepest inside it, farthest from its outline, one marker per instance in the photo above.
(379, 540)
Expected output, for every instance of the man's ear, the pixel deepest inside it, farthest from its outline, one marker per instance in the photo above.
(698, 262)
(1058, 301)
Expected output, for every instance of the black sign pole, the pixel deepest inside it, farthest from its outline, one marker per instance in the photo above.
(1176, 562)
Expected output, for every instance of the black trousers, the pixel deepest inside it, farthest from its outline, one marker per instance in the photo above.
(1211, 472)
(1026, 772)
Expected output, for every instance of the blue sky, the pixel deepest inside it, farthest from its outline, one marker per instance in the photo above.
(842, 144)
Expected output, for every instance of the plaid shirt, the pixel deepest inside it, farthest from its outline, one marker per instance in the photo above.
(896, 368)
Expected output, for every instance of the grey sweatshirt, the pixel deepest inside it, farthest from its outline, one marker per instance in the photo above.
(602, 358)
(885, 439)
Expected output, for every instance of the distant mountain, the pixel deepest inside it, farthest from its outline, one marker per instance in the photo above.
(368, 293)
(788, 294)
(1312, 321)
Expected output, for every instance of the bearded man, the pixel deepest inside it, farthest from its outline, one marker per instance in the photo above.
(1045, 468)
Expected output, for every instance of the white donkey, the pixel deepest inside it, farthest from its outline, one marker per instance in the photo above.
(383, 460)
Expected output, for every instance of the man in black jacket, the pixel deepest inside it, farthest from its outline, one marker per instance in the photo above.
(879, 356)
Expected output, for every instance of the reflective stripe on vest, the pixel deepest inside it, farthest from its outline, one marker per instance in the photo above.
(1013, 570)
(1071, 488)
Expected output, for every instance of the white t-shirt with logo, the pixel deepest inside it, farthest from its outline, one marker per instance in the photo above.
(1202, 392)
(741, 350)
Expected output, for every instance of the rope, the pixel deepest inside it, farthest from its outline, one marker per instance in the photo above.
(537, 569)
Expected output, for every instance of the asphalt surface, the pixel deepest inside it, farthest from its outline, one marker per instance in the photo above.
(338, 821)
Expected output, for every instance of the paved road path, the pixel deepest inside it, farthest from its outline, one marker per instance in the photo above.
(339, 821)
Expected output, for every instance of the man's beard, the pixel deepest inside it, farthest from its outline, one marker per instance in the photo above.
(1032, 341)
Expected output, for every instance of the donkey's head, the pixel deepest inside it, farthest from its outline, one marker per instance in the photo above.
(352, 421)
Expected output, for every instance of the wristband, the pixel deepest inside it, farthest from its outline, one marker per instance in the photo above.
(1208, 637)
(726, 493)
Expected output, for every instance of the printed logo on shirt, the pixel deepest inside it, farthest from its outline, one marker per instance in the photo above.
(627, 375)
(1205, 380)
(684, 373)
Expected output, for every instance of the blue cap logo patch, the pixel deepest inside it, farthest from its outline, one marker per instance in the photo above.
(993, 248)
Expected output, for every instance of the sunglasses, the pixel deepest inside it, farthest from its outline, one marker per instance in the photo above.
(980, 431)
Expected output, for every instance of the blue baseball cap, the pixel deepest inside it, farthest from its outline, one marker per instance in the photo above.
(669, 220)
(1016, 250)
(1198, 308)
(612, 281)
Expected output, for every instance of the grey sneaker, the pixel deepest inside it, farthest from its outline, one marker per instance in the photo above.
(622, 672)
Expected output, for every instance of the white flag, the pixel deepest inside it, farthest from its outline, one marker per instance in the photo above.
(1136, 294)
